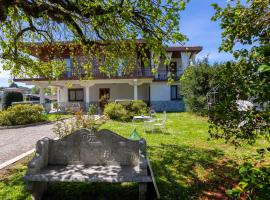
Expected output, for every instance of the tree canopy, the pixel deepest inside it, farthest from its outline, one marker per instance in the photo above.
(89, 23)
(248, 78)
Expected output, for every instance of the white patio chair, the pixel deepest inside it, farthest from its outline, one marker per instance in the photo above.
(154, 124)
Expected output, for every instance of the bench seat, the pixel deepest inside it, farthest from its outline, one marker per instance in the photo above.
(88, 173)
(90, 156)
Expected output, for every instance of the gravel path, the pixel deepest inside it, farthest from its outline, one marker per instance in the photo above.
(14, 142)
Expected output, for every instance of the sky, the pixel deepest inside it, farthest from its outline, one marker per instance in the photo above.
(196, 24)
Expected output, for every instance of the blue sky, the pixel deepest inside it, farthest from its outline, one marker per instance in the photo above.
(196, 24)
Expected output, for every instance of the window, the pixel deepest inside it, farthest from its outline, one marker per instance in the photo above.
(68, 66)
(75, 95)
(175, 93)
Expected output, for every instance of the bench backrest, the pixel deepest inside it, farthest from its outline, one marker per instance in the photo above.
(95, 148)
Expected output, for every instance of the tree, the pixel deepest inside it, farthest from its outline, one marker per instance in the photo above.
(110, 26)
(243, 111)
(35, 90)
(196, 81)
(14, 85)
(10, 97)
(245, 79)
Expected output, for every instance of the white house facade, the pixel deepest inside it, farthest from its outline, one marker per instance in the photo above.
(142, 84)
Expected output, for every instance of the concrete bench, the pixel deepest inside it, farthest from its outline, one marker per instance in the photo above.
(90, 156)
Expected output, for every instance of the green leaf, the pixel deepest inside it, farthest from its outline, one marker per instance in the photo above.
(264, 68)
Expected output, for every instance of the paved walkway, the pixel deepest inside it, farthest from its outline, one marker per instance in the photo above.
(14, 142)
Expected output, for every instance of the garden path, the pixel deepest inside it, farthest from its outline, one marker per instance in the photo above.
(14, 142)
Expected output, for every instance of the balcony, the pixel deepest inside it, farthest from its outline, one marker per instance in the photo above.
(161, 75)
(97, 74)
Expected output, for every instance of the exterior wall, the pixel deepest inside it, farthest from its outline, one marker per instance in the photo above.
(160, 91)
(160, 98)
(63, 95)
(119, 91)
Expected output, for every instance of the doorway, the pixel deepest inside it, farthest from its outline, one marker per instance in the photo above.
(104, 96)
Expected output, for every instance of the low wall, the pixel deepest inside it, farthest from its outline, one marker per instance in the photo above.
(168, 106)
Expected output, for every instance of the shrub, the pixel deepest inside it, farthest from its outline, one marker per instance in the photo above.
(10, 97)
(137, 107)
(254, 183)
(22, 114)
(195, 83)
(63, 128)
(92, 109)
(117, 112)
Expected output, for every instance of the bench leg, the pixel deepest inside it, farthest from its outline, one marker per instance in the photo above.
(37, 189)
(142, 191)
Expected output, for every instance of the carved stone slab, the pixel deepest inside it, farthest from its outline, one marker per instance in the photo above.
(94, 148)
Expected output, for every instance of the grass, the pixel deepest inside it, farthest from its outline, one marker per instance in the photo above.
(57, 116)
(185, 163)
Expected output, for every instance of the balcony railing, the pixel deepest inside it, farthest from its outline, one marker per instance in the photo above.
(161, 75)
(101, 75)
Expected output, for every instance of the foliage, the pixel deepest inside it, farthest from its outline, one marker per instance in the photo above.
(137, 107)
(13, 85)
(10, 97)
(196, 81)
(55, 105)
(238, 81)
(22, 114)
(65, 127)
(248, 78)
(92, 109)
(117, 112)
(246, 24)
(91, 24)
(254, 182)
(35, 90)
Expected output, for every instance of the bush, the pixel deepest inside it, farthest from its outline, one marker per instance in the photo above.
(195, 83)
(22, 114)
(117, 112)
(10, 97)
(92, 109)
(137, 107)
(64, 128)
(254, 183)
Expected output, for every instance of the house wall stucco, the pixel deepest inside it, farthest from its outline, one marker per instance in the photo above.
(117, 91)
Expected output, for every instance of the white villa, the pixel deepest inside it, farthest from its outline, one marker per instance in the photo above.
(142, 84)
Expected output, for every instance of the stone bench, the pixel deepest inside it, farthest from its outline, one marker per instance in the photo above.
(90, 156)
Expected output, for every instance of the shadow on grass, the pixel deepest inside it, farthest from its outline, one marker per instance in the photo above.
(95, 191)
(187, 172)
(158, 132)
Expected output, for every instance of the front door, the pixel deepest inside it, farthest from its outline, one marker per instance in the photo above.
(104, 96)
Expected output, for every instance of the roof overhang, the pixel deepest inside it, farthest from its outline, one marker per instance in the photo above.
(83, 83)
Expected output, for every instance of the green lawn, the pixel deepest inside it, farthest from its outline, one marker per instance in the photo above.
(185, 163)
(57, 116)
